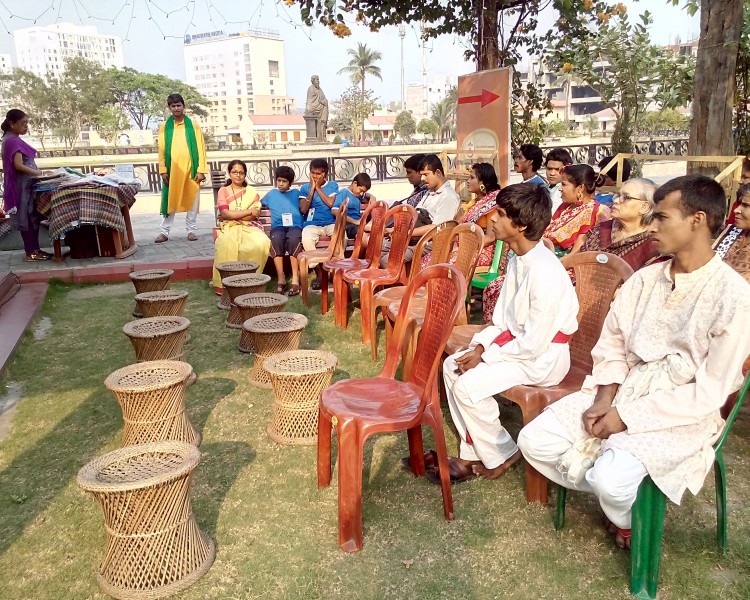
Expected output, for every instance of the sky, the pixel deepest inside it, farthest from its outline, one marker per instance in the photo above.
(153, 30)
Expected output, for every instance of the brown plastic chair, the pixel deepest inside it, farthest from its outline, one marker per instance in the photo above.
(360, 408)
(598, 276)
(335, 249)
(470, 240)
(441, 239)
(404, 219)
(376, 214)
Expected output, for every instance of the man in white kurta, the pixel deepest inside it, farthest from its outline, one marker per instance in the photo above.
(526, 343)
(689, 317)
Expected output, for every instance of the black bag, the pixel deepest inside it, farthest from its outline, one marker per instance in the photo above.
(423, 218)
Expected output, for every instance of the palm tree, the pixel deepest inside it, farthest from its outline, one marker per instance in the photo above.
(443, 114)
(361, 63)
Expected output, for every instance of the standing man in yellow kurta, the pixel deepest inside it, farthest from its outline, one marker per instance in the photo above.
(182, 166)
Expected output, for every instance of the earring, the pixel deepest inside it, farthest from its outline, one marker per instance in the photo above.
(482, 188)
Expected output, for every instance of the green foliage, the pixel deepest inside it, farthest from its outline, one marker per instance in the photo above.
(405, 125)
(629, 73)
(351, 110)
(444, 114)
(361, 64)
(428, 127)
(668, 119)
(556, 128)
(591, 125)
(337, 139)
(378, 137)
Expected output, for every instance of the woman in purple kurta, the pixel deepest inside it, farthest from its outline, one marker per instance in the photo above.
(18, 170)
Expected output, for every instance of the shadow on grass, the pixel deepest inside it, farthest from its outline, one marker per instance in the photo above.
(221, 464)
(30, 483)
(202, 398)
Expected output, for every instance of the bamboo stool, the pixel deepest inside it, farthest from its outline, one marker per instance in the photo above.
(240, 285)
(154, 547)
(269, 335)
(227, 269)
(150, 280)
(157, 338)
(298, 378)
(252, 305)
(152, 397)
(164, 303)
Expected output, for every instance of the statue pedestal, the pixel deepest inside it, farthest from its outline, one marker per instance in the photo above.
(311, 127)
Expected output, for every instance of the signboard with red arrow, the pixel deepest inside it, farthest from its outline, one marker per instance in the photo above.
(483, 120)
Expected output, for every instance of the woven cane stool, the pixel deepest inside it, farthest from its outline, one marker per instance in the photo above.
(154, 547)
(158, 338)
(240, 285)
(252, 305)
(269, 335)
(162, 303)
(152, 397)
(150, 280)
(298, 378)
(227, 269)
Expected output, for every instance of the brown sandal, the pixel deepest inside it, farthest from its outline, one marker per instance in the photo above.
(294, 290)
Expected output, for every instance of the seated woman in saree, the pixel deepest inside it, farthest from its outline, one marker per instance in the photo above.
(733, 245)
(578, 213)
(483, 183)
(626, 234)
(241, 235)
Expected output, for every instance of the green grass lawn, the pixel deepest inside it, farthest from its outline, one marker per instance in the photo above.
(276, 533)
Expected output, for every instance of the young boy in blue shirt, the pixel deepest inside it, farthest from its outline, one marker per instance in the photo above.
(355, 193)
(286, 227)
(316, 200)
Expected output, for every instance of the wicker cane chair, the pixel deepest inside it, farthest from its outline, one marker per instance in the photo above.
(152, 397)
(252, 305)
(312, 258)
(157, 338)
(369, 280)
(441, 238)
(376, 214)
(162, 303)
(470, 240)
(360, 408)
(150, 280)
(271, 334)
(227, 269)
(298, 378)
(154, 547)
(240, 285)
(598, 276)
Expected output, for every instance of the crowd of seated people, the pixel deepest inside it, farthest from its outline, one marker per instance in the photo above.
(651, 403)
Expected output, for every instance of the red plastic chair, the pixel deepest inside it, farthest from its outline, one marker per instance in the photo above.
(442, 241)
(369, 280)
(470, 240)
(360, 408)
(312, 258)
(376, 213)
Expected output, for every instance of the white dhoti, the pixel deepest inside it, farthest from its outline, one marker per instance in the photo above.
(614, 478)
(473, 408)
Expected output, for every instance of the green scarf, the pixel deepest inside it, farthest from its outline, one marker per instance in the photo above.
(192, 148)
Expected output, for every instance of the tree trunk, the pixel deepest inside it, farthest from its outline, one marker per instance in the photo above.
(486, 47)
(713, 90)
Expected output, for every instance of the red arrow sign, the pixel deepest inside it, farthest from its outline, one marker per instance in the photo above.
(485, 98)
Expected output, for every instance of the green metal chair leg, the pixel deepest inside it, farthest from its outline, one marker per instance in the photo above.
(562, 494)
(720, 477)
(648, 527)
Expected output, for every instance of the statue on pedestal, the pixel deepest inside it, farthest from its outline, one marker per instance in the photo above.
(316, 108)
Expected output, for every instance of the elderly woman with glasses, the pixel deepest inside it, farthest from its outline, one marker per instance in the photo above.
(625, 235)
(241, 235)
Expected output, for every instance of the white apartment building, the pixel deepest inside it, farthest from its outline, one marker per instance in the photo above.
(44, 50)
(242, 73)
(419, 101)
(5, 69)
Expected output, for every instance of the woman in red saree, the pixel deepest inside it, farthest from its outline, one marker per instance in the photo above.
(577, 214)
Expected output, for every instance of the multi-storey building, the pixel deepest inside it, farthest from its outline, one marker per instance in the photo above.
(241, 73)
(44, 50)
